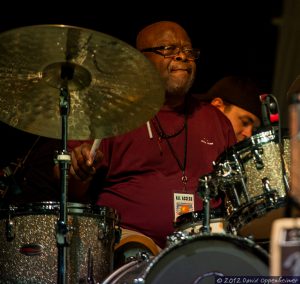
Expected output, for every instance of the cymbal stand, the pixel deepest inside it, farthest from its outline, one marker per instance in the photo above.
(204, 192)
(64, 160)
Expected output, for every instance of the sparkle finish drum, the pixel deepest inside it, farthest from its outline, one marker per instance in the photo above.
(28, 249)
(255, 176)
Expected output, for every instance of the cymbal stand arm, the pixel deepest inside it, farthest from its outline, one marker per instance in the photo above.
(64, 160)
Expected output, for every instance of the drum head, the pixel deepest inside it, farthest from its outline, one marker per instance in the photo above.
(201, 258)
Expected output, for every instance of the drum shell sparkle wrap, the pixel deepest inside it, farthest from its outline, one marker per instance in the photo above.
(29, 251)
(255, 177)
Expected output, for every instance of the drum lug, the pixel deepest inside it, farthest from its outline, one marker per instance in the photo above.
(139, 256)
(226, 169)
(257, 152)
(177, 237)
(143, 256)
(118, 234)
(10, 232)
(62, 236)
(10, 226)
(229, 207)
(103, 231)
(270, 193)
(232, 230)
(266, 185)
(139, 281)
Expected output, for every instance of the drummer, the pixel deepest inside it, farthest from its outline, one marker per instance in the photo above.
(238, 98)
(150, 175)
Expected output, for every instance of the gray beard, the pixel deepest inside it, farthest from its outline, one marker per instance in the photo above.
(178, 89)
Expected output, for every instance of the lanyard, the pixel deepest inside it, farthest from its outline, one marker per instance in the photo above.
(162, 134)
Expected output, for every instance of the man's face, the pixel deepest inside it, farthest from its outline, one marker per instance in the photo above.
(243, 122)
(178, 71)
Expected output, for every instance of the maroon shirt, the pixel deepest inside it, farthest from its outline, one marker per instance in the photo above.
(140, 175)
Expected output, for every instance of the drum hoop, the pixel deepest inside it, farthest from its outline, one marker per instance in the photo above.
(52, 207)
(241, 147)
(263, 137)
(260, 138)
(197, 216)
(233, 218)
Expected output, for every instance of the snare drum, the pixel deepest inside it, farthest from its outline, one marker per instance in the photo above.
(255, 178)
(29, 250)
(197, 259)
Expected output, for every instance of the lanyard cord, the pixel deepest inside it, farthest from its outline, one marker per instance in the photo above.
(182, 166)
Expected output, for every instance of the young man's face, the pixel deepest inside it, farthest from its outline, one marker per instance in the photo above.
(243, 122)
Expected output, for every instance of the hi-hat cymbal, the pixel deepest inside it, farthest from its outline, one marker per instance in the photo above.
(113, 88)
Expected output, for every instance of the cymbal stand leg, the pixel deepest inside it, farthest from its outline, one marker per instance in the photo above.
(64, 160)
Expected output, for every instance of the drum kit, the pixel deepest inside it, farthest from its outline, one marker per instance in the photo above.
(213, 242)
(66, 82)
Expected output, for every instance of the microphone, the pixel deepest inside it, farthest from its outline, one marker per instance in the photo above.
(269, 110)
(265, 110)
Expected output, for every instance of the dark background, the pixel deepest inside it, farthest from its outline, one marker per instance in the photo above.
(235, 37)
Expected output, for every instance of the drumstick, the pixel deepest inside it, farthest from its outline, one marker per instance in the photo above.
(95, 146)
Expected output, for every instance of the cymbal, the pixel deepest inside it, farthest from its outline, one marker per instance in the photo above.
(113, 88)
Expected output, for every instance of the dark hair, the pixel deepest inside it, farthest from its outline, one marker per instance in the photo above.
(241, 91)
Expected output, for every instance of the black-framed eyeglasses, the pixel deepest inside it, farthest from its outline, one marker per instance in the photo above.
(172, 50)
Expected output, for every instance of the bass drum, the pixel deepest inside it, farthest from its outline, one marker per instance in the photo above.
(197, 259)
